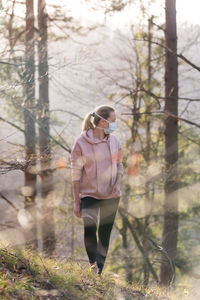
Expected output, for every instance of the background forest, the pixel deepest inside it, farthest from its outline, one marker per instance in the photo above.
(59, 60)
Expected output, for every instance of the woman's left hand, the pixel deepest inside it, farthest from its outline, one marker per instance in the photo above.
(116, 189)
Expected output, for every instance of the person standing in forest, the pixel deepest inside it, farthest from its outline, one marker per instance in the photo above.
(97, 170)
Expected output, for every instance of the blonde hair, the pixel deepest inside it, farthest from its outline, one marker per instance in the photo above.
(102, 110)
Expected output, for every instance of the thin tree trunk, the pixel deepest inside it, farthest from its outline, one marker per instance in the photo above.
(128, 261)
(147, 158)
(29, 124)
(48, 224)
(170, 226)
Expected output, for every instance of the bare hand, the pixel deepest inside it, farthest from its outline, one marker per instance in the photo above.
(77, 209)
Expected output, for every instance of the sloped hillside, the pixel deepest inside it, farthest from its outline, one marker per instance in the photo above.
(25, 274)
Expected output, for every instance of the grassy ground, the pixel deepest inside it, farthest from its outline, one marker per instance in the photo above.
(25, 274)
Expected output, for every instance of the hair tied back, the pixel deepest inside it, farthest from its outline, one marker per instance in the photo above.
(92, 113)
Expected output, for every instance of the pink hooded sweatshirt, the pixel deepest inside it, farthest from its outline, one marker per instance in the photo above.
(96, 163)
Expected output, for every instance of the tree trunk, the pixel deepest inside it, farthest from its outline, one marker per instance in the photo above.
(147, 158)
(29, 125)
(48, 225)
(170, 226)
(127, 255)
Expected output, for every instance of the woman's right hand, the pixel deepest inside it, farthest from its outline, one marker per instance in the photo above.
(77, 209)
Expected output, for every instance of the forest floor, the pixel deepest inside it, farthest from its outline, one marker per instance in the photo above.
(25, 274)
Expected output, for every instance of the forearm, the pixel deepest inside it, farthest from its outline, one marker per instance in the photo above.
(76, 187)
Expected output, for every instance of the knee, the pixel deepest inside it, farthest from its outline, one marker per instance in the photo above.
(89, 223)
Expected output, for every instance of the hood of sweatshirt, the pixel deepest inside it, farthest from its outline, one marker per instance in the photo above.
(89, 137)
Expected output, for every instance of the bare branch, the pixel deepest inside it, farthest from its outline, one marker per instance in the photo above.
(9, 202)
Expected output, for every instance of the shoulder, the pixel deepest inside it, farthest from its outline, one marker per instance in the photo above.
(116, 140)
(78, 139)
(79, 142)
(76, 142)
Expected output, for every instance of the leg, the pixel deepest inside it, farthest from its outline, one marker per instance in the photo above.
(89, 209)
(108, 210)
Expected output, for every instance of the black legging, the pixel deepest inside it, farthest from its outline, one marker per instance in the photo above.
(90, 207)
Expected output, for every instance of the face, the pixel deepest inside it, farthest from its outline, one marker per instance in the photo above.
(111, 118)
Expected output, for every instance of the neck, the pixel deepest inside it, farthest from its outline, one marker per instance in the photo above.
(99, 133)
